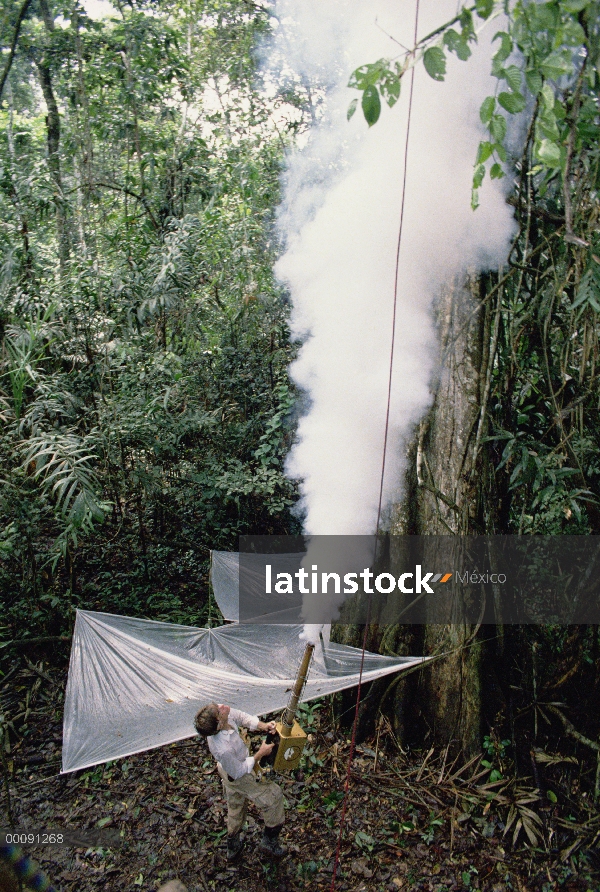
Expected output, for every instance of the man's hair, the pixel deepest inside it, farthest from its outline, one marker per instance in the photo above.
(206, 721)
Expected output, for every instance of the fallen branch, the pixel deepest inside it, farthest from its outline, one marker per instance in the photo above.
(577, 735)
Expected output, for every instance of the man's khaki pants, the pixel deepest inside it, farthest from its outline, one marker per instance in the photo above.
(267, 796)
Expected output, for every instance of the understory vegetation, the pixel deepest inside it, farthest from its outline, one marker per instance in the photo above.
(145, 401)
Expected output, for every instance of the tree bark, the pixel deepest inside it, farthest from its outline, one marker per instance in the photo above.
(448, 503)
(53, 139)
(13, 45)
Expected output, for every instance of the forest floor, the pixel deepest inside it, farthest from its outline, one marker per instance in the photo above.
(419, 821)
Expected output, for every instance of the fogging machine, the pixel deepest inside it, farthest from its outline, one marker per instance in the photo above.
(289, 738)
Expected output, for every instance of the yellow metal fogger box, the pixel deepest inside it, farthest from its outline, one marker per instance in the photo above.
(290, 747)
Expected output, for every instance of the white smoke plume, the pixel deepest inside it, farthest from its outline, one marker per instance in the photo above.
(339, 223)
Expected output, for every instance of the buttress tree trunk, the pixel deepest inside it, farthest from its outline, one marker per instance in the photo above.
(442, 703)
(447, 501)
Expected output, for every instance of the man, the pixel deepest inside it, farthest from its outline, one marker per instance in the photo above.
(219, 725)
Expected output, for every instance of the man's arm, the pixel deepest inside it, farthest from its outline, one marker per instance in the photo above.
(270, 727)
(231, 763)
(251, 721)
(244, 719)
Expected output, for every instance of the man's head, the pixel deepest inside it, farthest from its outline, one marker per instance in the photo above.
(211, 719)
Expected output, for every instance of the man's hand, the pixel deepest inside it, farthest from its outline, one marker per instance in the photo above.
(264, 749)
(270, 727)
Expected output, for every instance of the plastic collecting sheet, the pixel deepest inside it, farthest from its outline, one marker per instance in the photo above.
(136, 684)
(225, 578)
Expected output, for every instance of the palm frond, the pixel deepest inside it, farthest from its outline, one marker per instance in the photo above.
(63, 463)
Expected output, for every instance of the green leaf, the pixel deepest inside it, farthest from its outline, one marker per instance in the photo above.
(512, 102)
(456, 43)
(390, 87)
(551, 796)
(506, 46)
(487, 109)
(547, 97)
(557, 64)
(548, 152)
(496, 172)
(514, 77)
(534, 81)
(485, 151)
(466, 24)
(588, 293)
(352, 108)
(484, 8)
(544, 16)
(547, 125)
(575, 5)
(371, 105)
(478, 176)
(572, 33)
(367, 75)
(434, 60)
(474, 199)
(498, 127)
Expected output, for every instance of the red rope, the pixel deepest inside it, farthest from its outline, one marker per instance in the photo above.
(385, 442)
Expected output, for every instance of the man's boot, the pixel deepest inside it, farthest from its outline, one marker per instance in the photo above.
(270, 843)
(234, 845)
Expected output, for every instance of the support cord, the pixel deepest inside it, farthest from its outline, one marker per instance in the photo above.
(385, 442)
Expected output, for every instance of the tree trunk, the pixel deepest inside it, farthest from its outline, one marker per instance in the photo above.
(443, 498)
(53, 134)
(448, 503)
(53, 137)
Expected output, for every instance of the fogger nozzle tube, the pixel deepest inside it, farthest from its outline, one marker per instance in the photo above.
(289, 713)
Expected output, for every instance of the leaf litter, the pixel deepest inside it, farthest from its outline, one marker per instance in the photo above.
(420, 821)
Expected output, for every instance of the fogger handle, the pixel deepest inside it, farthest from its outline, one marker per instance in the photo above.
(289, 713)
(270, 759)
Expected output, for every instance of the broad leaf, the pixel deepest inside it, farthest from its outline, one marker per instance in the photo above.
(512, 102)
(487, 109)
(434, 60)
(534, 81)
(456, 43)
(478, 176)
(466, 24)
(496, 172)
(484, 8)
(547, 96)
(547, 125)
(484, 152)
(371, 105)
(557, 65)
(548, 152)
(506, 46)
(514, 78)
(352, 108)
(575, 5)
(390, 87)
(498, 127)
(367, 75)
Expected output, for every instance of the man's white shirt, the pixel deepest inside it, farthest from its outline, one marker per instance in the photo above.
(229, 749)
